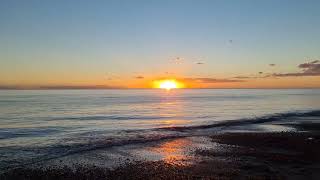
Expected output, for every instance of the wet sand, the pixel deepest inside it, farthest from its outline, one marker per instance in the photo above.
(227, 155)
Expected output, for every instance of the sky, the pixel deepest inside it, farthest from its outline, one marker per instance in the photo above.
(130, 44)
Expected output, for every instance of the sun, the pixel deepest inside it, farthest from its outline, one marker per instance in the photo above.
(168, 84)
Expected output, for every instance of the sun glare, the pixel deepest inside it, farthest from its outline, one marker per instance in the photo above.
(168, 84)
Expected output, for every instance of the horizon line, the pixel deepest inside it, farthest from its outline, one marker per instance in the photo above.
(93, 88)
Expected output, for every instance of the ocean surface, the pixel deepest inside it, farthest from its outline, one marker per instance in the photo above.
(36, 125)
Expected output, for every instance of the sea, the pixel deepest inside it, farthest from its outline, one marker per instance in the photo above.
(41, 125)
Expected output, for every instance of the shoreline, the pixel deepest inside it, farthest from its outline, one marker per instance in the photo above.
(227, 155)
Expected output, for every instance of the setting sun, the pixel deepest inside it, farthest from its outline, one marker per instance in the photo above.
(168, 84)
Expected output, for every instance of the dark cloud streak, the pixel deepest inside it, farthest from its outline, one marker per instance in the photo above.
(244, 77)
(58, 87)
(308, 69)
(212, 80)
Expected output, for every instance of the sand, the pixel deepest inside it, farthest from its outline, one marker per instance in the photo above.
(228, 155)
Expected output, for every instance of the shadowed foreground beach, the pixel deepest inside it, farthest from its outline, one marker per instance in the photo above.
(244, 155)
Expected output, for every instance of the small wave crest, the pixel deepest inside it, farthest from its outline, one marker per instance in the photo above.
(247, 121)
(135, 137)
(104, 117)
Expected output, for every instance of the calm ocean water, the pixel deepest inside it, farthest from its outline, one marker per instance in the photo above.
(44, 124)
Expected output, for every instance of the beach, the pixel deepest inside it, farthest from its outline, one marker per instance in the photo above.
(167, 89)
(287, 148)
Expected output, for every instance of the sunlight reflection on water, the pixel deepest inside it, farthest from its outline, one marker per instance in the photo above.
(54, 122)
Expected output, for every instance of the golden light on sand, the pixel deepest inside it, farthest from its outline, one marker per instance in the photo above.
(168, 84)
(173, 151)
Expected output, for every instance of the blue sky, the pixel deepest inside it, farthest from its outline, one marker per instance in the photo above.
(92, 42)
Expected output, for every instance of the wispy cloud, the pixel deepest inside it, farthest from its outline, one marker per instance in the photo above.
(211, 80)
(139, 77)
(80, 87)
(5, 87)
(243, 77)
(308, 69)
(272, 64)
(17, 87)
(178, 60)
(311, 67)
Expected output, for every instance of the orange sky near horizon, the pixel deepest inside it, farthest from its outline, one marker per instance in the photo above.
(222, 44)
(270, 82)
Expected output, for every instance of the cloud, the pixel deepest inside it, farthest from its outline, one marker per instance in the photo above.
(243, 77)
(178, 60)
(311, 67)
(212, 80)
(17, 87)
(308, 69)
(80, 87)
(315, 61)
(272, 64)
(260, 75)
(199, 63)
(139, 77)
(4, 87)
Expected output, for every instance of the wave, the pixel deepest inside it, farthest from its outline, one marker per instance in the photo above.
(148, 135)
(246, 121)
(60, 151)
(141, 136)
(104, 117)
(8, 133)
